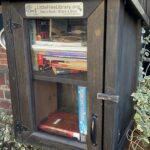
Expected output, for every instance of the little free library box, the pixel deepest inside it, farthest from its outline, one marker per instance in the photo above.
(73, 65)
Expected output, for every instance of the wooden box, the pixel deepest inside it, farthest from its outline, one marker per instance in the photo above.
(112, 36)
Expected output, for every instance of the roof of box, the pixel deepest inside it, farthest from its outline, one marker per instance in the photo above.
(140, 8)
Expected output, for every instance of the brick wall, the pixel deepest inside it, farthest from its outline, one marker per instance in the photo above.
(5, 100)
(3, 58)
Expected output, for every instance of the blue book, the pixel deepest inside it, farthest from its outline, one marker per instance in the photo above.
(82, 110)
(32, 27)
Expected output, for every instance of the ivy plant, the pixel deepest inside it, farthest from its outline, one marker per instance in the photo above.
(141, 99)
(7, 140)
(142, 107)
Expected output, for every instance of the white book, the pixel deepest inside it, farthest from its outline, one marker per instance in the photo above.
(59, 48)
(49, 43)
(66, 59)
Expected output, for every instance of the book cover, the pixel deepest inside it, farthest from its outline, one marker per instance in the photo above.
(61, 123)
(82, 109)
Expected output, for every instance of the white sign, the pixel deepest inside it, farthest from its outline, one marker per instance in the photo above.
(72, 9)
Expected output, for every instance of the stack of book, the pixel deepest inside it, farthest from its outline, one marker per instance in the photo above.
(60, 57)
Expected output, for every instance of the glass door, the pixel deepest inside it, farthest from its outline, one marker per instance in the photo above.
(59, 66)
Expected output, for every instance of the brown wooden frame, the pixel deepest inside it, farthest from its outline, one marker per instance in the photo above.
(112, 72)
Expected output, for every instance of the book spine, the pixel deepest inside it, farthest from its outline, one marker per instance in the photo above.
(48, 43)
(66, 59)
(65, 54)
(65, 66)
(82, 110)
(60, 131)
(59, 48)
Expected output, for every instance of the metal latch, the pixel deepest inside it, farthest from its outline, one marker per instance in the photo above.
(107, 97)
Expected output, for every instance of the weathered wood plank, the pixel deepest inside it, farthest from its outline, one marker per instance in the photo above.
(11, 64)
(113, 46)
(23, 71)
(121, 72)
(95, 71)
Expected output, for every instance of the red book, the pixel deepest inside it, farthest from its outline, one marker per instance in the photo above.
(61, 123)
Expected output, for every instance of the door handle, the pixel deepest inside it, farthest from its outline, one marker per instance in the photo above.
(93, 130)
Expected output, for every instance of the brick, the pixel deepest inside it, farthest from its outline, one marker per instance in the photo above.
(7, 94)
(5, 104)
(3, 62)
(3, 56)
(2, 50)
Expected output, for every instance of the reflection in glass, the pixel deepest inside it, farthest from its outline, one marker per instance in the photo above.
(59, 45)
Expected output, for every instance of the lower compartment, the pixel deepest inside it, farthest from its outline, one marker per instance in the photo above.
(61, 109)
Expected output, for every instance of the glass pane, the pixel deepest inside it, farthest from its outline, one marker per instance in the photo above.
(61, 109)
(59, 46)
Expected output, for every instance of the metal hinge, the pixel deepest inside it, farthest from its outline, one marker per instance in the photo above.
(19, 127)
(12, 25)
(107, 97)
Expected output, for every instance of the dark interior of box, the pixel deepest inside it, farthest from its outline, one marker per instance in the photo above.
(53, 98)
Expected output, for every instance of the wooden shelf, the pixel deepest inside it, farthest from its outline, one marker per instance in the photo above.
(77, 79)
(53, 140)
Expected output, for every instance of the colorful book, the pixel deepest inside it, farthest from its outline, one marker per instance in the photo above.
(61, 123)
(64, 54)
(82, 111)
(45, 63)
(67, 66)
